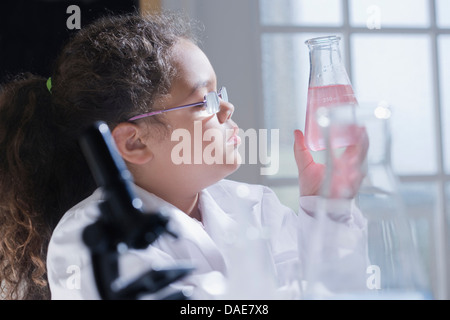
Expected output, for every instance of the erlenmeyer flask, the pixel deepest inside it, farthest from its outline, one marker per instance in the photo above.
(329, 86)
(387, 266)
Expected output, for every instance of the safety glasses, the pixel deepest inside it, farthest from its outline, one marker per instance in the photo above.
(211, 102)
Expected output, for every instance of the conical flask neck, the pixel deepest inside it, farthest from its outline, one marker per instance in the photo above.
(326, 63)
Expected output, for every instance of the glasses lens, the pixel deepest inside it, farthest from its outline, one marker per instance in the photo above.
(212, 103)
(223, 94)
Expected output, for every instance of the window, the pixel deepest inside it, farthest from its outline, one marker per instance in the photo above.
(394, 50)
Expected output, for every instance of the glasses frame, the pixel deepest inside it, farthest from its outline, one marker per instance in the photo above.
(209, 97)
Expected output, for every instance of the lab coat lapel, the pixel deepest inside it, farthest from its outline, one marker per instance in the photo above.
(225, 219)
(235, 207)
(193, 241)
(196, 242)
(218, 224)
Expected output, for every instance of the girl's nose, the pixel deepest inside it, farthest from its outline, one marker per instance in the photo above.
(225, 112)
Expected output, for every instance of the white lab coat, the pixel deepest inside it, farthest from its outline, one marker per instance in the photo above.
(246, 246)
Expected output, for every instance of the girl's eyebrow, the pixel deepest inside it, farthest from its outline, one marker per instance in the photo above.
(200, 84)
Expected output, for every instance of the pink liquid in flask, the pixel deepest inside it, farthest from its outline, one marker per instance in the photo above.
(328, 96)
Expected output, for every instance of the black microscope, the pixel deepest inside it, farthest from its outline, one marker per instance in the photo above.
(123, 223)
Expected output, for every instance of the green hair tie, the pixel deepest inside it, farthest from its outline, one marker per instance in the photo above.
(49, 84)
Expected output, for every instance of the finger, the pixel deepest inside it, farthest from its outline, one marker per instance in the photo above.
(302, 155)
(358, 151)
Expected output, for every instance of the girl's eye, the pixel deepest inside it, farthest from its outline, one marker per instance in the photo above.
(202, 111)
(202, 106)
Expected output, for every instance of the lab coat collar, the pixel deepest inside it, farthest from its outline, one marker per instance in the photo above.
(217, 223)
(193, 235)
(240, 202)
(227, 219)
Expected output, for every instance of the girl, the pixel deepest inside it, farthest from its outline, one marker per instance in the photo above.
(147, 79)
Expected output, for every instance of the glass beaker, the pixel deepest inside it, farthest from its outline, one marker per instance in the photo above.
(396, 268)
(388, 265)
(329, 86)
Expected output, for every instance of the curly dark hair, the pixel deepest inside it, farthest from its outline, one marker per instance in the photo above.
(110, 71)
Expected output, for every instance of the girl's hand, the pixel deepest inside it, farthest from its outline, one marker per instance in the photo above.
(348, 171)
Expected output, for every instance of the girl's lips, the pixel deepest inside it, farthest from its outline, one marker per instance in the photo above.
(234, 139)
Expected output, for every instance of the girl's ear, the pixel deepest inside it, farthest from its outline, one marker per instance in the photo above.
(132, 145)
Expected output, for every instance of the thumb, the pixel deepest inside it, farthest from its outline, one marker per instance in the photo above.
(302, 155)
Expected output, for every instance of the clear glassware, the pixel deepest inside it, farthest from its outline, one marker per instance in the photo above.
(329, 86)
(370, 253)
(392, 251)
